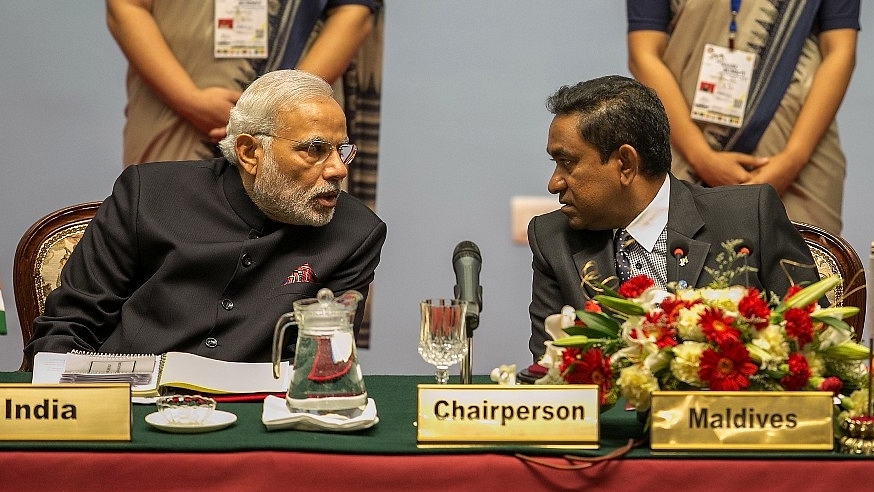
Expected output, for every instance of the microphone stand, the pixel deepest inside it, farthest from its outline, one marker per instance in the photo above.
(466, 375)
(465, 363)
(466, 261)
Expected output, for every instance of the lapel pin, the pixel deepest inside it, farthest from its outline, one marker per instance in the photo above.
(680, 255)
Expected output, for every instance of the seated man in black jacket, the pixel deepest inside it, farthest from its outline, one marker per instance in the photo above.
(204, 256)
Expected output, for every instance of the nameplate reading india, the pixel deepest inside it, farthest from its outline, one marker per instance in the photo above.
(65, 412)
(742, 420)
(466, 415)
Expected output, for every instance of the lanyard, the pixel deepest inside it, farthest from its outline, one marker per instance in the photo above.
(732, 24)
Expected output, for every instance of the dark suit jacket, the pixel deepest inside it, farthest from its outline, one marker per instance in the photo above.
(699, 221)
(179, 258)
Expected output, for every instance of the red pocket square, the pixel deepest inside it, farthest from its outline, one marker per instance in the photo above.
(301, 274)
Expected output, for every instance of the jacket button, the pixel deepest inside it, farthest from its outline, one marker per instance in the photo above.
(246, 260)
(211, 342)
(227, 304)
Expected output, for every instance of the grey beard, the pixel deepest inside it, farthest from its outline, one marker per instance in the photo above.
(285, 201)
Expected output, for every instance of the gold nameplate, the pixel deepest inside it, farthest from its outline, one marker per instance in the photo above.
(65, 412)
(742, 420)
(465, 414)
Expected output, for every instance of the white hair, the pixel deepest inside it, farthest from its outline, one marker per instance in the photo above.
(256, 111)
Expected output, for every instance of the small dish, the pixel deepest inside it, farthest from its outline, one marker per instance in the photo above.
(217, 420)
(186, 409)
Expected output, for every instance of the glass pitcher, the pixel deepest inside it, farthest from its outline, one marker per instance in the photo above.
(327, 378)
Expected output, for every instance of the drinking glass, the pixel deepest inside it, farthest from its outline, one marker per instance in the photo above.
(442, 334)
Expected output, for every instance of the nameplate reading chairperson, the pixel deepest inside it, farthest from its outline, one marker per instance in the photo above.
(552, 416)
(65, 412)
(742, 420)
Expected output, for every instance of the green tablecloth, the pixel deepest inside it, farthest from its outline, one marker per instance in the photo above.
(395, 398)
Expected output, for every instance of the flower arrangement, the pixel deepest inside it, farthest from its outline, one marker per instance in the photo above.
(638, 339)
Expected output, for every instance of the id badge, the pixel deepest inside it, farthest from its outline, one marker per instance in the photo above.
(240, 29)
(723, 86)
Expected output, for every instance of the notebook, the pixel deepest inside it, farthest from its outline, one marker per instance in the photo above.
(152, 375)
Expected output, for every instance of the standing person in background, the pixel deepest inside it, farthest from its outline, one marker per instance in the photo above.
(180, 93)
(775, 122)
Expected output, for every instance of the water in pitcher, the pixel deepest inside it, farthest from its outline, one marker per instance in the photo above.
(327, 378)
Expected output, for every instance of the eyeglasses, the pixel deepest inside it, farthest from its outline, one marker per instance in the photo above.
(318, 151)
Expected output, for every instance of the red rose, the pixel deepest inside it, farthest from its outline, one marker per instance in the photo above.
(635, 286)
(832, 384)
(799, 373)
(799, 326)
(754, 309)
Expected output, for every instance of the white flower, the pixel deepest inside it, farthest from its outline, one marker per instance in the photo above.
(552, 355)
(637, 345)
(637, 385)
(651, 298)
(726, 298)
(504, 375)
(684, 365)
(774, 347)
(658, 360)
(554, 324)
(832, 337)
(553, 376)
(854, 405)
(568, 316)
(688, 294)
(687, 323)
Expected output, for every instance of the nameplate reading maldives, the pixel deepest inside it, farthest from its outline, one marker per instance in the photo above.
(541, 415)
(742, 420)
(65, 412)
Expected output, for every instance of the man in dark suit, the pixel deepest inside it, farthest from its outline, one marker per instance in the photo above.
(611, 146)
(204, 256)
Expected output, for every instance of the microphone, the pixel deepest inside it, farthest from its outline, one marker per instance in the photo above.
(467, 263)
(679, 253)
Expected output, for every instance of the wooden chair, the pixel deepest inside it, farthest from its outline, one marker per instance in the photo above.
(834, 255)
(41, 253)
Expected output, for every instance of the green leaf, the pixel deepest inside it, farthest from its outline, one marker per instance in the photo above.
(609, 292)
(620, 305)
(594, 325)
(600, 322)
(588, 332)
(837, 323)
